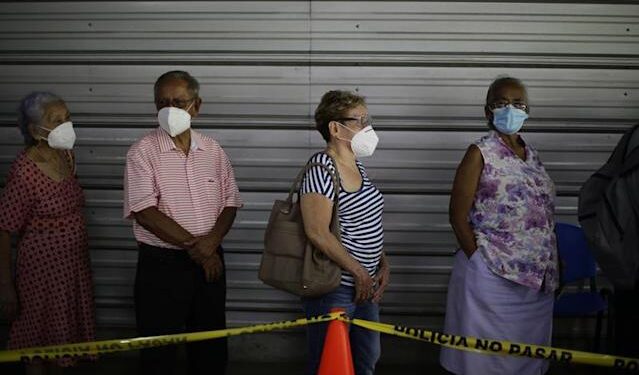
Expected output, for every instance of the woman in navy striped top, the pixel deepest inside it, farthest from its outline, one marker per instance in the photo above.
(343, 121)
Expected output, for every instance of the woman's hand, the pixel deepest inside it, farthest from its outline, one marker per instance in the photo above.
(364, 285)
(8, 301)
(382, 278)
(469, 253)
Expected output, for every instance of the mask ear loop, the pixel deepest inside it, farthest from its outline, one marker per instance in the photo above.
(190, 105)
(347, 128)
(40, 138)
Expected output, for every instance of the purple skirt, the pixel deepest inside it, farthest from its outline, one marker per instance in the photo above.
(484, 305)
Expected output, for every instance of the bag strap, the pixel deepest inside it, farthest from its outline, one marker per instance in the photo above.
(334, 176)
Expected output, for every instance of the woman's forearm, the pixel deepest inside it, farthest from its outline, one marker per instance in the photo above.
(326, 242)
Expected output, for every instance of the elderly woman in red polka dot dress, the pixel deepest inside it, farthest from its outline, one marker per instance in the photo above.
(50, 301)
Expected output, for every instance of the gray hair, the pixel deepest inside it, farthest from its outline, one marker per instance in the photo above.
(31, 110)
(503, 80)
(192, 84)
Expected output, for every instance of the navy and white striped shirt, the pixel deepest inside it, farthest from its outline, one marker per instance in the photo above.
(360, 214)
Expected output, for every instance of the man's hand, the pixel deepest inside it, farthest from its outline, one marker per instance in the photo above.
(213, 267)
(201, 248)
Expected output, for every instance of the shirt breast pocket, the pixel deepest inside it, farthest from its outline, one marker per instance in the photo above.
(213, 192)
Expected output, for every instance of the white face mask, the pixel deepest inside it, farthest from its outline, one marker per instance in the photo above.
(62, 137)
(363, 142)
(174, 120)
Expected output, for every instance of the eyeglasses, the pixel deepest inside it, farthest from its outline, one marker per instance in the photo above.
(501, 104)
(362, 121)
(178, 103)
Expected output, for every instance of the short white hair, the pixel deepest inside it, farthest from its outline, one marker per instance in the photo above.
(31, 110)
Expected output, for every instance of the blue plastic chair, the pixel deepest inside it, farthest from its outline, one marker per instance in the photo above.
(577, 264)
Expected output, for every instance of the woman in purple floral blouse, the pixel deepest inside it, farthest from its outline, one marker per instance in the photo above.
(505, 272)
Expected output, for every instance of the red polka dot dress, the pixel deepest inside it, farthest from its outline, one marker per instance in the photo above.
(53, 275)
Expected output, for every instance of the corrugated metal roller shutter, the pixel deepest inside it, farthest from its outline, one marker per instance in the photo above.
(424, 67)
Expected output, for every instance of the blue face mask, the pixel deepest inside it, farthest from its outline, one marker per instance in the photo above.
(509, 120)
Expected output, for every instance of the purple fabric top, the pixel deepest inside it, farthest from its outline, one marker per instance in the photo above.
(513, 215)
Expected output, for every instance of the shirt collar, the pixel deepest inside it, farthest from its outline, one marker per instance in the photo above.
(167, 144)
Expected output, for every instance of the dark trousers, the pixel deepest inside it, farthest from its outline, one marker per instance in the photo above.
(173, 296)
(626, 315)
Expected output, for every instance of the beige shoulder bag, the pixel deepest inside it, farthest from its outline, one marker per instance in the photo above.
(290, 262)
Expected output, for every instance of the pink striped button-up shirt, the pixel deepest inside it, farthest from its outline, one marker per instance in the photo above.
(191, 189)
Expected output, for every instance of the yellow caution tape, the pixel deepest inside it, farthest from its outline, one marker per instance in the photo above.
(110, 346)
(473, 344)
(487, 346)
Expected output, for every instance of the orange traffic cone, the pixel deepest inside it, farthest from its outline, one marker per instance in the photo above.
(336, 355)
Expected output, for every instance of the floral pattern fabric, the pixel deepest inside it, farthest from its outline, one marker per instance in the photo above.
(513, 216)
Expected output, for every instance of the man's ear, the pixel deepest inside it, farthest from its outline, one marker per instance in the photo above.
(195, 110)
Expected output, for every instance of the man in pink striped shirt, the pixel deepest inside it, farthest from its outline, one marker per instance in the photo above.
(180, 191)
